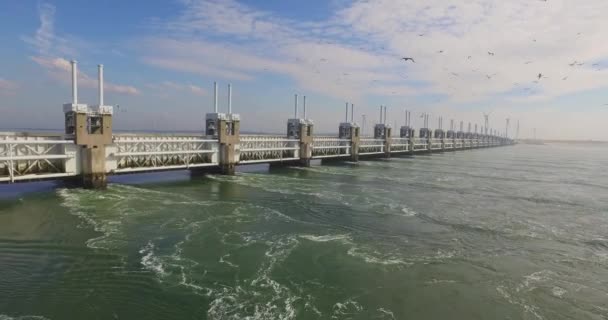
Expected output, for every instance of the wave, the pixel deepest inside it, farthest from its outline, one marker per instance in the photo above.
(326, 238)
(151, 261)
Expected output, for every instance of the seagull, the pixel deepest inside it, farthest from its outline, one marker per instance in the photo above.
(490, 53)
(527, 62)
(490, 76)
(540, 75)
(440, 51)
(573, 63)
(406, 59)
(564, 78)
(421, 35)
(455, 74)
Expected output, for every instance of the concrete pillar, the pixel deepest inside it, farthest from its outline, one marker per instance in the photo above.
(355, 141)
(387, 141)
(94, 167)
(229, 138)
(306, 134)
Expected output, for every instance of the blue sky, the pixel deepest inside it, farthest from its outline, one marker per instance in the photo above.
(161, 58)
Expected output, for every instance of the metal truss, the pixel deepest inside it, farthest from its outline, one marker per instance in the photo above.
(326, 147)
(371, 146)
(400, 144)
(143, 153)
(262, 148)
(28, 157)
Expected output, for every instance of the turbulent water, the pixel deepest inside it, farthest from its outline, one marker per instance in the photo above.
(507, 233)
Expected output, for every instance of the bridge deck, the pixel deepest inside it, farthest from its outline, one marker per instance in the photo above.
(27, 156)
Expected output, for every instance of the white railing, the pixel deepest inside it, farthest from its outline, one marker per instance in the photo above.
(328, 147)
(458, 144)
(133, 153)
(420, 144)
(448, 144)
(467, 143)
(266, 148)
(400, 145)
(435, 144)
(36, 157)
(371, 146)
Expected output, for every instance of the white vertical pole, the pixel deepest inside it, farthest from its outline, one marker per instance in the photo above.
(215, 97)
(100, 84)
(352, 112)
(230, 98)
(74, 82)
(304, 102)
(384, 115)
(295, 107)
(346, 116)
(380, 115)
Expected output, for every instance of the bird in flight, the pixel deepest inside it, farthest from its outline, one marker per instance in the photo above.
(406, 59)
(540, 75)
(455, 74)
(469, 57)
(421, 35)
(490, 53)
(440, 51)
(564, 78)
(527, 62)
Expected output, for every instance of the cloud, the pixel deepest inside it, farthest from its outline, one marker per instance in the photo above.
(60, 69)
(165, 86)
(7, 87)
(355, 52)
(49, 47)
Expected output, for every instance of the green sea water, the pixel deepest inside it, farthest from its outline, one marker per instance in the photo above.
(506, 233)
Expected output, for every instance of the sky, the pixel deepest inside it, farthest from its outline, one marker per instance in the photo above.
(162, 57)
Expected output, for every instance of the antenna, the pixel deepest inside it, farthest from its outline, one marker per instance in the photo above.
(380, 114)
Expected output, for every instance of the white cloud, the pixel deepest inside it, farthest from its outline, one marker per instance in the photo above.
(49, 47)
(60, 69)
(364, 40)
(7, 87)
(164, 87)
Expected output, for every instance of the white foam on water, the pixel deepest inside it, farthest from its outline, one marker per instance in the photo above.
(375, 259)
(327, 238)
(533, 310)
(237, 302)
(386, 312)
(436, 281)
(445, 254)
(407, 212)
(151, 261)
(558, 292)
(348, 307)
(224, 261)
